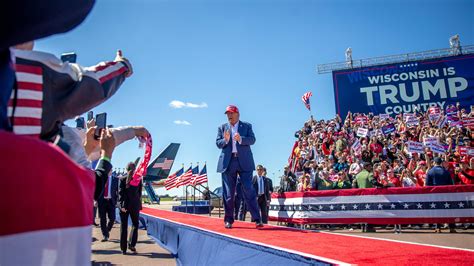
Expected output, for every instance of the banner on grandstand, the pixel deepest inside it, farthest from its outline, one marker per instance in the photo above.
(405, 87)
(442, 204)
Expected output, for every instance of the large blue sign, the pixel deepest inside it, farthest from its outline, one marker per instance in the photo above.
(406, 87)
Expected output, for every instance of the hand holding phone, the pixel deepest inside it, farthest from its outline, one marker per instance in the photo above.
(100, 122)
(69, 57)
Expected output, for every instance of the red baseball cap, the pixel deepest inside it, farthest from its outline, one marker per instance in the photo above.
(232, 109)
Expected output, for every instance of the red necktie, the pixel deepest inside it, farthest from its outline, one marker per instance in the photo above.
(106, 192)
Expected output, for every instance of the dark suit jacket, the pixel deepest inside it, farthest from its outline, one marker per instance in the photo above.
(101, 174)
(113, 190)
(268, 187)
(244, 152)
(438, 176)
(130, 197)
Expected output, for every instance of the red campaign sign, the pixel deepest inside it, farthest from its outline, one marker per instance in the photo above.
(361, 120)
(463, 150)
(468, 122)
(434, 110)
(141, 169)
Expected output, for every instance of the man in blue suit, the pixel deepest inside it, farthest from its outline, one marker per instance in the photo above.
(234, 139)
(106, 203)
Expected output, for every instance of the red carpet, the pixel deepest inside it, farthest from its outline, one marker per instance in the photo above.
(346, 249)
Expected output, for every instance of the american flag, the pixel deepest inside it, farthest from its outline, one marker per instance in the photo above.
(163, 163)
(185, 178)
(171, 181)
(201, 178)
(305, 99)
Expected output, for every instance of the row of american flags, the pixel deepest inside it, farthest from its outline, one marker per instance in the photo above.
(190, 177)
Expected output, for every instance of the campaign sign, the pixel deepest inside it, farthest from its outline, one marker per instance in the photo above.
(437, 148)
(356, 147)
(384, 116)
(468, 122)
(429, 141)
(362, 132)
(405, 87)
(413, 121)
(470, 152)
(387, 129)
(463, 150)
(434, 110)
(361, 120)
(415, 147)
(434, 117)
(442, 121)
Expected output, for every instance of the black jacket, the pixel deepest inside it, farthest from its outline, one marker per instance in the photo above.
(268, 187)
(101, 174)
(129, 197)
(113, 190)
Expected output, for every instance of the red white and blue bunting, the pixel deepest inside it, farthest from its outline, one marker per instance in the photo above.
(444, 204)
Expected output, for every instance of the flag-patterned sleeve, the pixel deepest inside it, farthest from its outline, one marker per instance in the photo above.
(94, 85)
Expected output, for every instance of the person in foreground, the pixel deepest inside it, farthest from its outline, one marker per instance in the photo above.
(234, 139)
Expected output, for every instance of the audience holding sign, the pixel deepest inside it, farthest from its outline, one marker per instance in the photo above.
(401, 149)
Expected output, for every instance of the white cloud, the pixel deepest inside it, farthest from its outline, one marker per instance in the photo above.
(182, 122)
(179, 104)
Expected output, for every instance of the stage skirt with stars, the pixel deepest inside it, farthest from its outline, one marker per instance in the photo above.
(443, 204)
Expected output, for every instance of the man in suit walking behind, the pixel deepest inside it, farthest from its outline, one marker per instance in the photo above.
(439, 176)
(234, 139)
(263, 186)
(106, 203)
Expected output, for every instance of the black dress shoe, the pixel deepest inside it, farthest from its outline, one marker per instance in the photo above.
(106, 238)
(124, 252)
(228, 225)
(133, 249)
(258, 225)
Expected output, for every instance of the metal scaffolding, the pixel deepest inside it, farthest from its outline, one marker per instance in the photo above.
(392, 59)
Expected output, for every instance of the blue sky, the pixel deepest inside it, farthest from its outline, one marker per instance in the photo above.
(258, 55)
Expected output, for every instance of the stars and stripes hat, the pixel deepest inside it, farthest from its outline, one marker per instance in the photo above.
(232, 109)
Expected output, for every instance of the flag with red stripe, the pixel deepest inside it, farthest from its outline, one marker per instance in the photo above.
(305, 99)
(27, 101)
(185, 178)
(201, 178)
(171, 181)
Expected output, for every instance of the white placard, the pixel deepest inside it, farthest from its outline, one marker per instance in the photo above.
(362, 132)
(415, 147)
(429, 141)
(437, 148)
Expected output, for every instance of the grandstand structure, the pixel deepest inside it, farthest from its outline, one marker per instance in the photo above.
(393, 59)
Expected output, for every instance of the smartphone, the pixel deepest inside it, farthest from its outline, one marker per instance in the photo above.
(80, 123)
(90, 116)
(69, 57)
(100, 122)
(110, 126)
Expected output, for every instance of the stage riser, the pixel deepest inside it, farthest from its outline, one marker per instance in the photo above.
(192, 246)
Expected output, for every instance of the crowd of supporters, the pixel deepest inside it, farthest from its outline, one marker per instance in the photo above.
(330, 154)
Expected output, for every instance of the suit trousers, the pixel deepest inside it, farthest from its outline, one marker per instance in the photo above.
(262, 205)
(229, 180)
(132, 239)
(106, 208)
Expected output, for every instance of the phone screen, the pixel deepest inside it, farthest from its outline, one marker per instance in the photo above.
(90, 115)
(80, 123)
(69, 57)
(100, 122)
